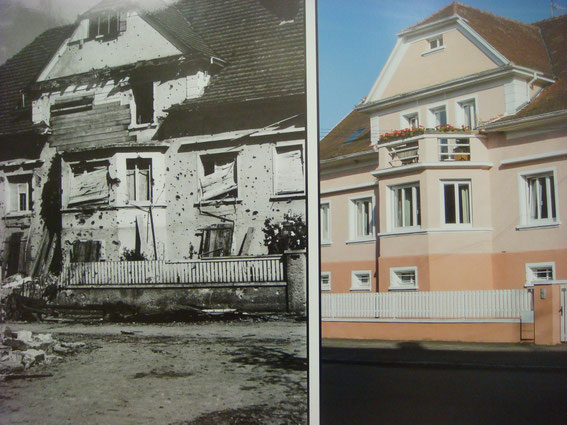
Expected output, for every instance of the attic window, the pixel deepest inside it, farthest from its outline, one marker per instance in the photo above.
(355, 134)
(144, 101)
(436, 42)
(107, 24)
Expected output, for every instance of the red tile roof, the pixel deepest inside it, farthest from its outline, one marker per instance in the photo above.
(334, 144)
(520, 43)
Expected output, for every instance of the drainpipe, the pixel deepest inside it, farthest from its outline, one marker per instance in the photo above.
(528, 87)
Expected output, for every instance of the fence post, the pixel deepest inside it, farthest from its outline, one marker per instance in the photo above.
(295, 265)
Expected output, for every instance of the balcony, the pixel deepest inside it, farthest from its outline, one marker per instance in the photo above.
(433, 149)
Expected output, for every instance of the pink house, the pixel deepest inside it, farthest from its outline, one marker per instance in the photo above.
(469, 181)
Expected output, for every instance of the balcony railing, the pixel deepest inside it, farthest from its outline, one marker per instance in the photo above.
(454, 150)
(430, 147)
(268, 269)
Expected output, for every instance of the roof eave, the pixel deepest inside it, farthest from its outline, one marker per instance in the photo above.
(526, 122)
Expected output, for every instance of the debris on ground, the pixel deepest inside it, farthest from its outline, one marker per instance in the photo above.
(21, 350)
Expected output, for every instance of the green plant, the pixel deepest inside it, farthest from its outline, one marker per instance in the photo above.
(291, 233)
(132, 255)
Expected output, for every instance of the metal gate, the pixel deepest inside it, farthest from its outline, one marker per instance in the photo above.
(563, 313)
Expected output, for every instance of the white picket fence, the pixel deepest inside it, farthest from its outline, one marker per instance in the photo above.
(441, 305)
(231, 270)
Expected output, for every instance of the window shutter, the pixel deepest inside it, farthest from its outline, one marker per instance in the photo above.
(289, 178)
(122, 21)
(89, 187)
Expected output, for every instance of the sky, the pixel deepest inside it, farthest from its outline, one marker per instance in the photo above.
(356, 37)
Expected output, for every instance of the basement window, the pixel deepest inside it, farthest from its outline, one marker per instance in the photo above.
(218, 178)
(403, 278)
(537, 272)
(216, 241)
(360, 281)
(85, 251)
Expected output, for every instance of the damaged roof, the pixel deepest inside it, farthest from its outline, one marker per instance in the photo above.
(350, 136)
(522, 44)
(22, 70)
(262, 42)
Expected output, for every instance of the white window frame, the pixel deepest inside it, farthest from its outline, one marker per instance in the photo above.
(13, 190)
(416, 207)
(355, 282)
(530, 272)
(435, 44)
(353, 219)
(456, 184)
(407, 118)
(328, 240)
(432, 114)
(461, 114)
(136, 177)
(292, 144)
(327, 276)
(524, 198)
(396, 283)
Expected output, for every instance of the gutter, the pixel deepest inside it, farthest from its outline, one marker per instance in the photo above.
(510, 124)
(346, 157)
(469, 80)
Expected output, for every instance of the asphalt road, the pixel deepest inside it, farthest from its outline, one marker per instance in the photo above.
(413, 386)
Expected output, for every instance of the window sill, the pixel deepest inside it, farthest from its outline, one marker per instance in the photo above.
(538, 226)
(17, 214)
(325, 243)
(228, 201)
(409, 231)
(285, 196)
(359, 289)
(138, 127)
(325, 289)
(356, 241)
(437, 49)
(399, 288)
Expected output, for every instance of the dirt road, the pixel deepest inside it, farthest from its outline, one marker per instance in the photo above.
(240, 372)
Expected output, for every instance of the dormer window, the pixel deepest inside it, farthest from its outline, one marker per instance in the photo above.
(436, 43)
(107, 24)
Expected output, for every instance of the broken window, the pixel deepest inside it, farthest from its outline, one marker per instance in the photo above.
(289, 174)
(15, 258)
(89, 185)
(144, 100)
(219, 177)
(216, 241)
(71, 105)
(107, 24)
(139, 179)
(20, 192)
(85, 251)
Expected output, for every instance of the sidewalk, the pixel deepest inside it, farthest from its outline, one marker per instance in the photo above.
(446, 354)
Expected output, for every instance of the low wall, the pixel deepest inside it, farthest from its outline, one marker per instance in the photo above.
(163, 299)
(423, 331)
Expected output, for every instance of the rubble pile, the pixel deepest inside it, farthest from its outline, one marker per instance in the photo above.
(21, 350)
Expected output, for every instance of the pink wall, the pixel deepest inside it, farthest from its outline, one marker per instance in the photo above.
(465, 332)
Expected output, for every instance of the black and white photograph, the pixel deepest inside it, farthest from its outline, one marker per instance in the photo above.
(153, 229)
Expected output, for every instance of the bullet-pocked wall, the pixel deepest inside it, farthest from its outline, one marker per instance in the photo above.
(254, 196)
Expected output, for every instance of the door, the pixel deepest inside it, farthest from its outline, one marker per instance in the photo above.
(563, 313)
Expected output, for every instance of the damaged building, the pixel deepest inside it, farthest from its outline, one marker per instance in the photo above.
(166, 133)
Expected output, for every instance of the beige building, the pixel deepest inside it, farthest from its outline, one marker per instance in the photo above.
(469, 179)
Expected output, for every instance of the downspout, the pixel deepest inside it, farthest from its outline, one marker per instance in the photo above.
(528, 87)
